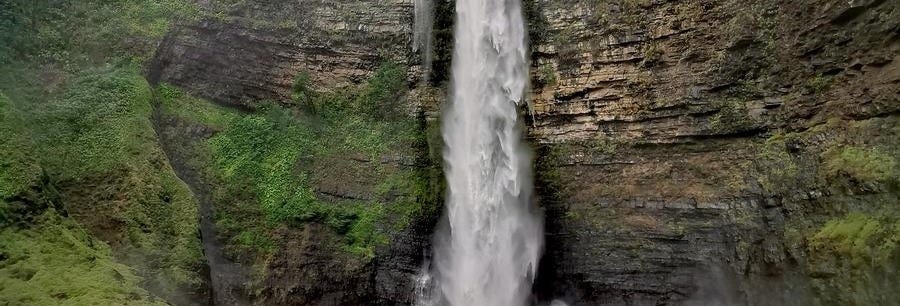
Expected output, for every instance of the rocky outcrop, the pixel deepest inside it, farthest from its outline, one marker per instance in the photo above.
(252, 52)
(682, 144)
(659, 71)
(654, 115)
(245, 54)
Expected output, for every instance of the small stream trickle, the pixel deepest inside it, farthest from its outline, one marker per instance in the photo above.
(422, 29)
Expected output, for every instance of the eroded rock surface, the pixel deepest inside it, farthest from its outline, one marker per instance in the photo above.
(656, 117)
(254, 52)
(684, 146)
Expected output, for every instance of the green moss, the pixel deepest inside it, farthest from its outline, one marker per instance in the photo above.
(861, 164)
(538, 27)
(380, 97)
(621, 16)
(57, 263)
(94, 143)
(859, 256)
(178, 103)
(416, 192)
(262, 151)
(546, 76)
(18, 167)
(78, 117)
(652, 54)
(732, 117)
(865, 240)
(777, 168)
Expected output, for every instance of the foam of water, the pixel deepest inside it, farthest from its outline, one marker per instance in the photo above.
(487, 251)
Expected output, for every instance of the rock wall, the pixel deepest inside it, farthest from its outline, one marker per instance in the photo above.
(683, 145)
(243, 53)
(248, 52)
(654, 118)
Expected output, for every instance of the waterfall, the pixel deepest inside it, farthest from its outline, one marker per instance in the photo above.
(423, 24)
(487, 250)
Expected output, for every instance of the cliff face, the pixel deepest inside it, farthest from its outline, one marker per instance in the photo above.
(665, 170)
(698, 151)
(244, 54)
(248, 52)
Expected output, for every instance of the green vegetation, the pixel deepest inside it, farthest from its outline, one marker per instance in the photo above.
(731, 118)
(546, 76)
(850, 232)
(95, 149)
(864, 240)
(862, 250)
(621, 16)
(183, 105)
(818, 84)
(537, 25)
(270, 162)
(55, 262)
(18, 169)
(300, 91)
(68, 34)
(652, 54)
(97, 123)
(861, 164)
(777, 166)
(82, 157)
(262, 150)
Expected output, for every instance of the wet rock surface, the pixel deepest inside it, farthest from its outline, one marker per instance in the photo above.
(253, 53)
(649, 120)
(652, 115)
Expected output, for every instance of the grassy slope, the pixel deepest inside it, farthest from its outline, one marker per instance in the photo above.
(81, 148)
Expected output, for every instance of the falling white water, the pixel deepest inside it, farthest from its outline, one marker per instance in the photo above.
(487, 252)
(423, 24)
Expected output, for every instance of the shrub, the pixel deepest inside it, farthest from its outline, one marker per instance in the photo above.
(380, 97)
(301, 91)
(98, 122)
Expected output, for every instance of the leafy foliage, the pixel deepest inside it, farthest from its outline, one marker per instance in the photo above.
(93, 142)
(268, 161)
(300, 91)
(731, 118)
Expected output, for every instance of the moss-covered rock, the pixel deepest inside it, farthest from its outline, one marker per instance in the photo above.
(56, 262)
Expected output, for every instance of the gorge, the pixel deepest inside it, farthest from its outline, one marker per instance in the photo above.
(683, 152)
